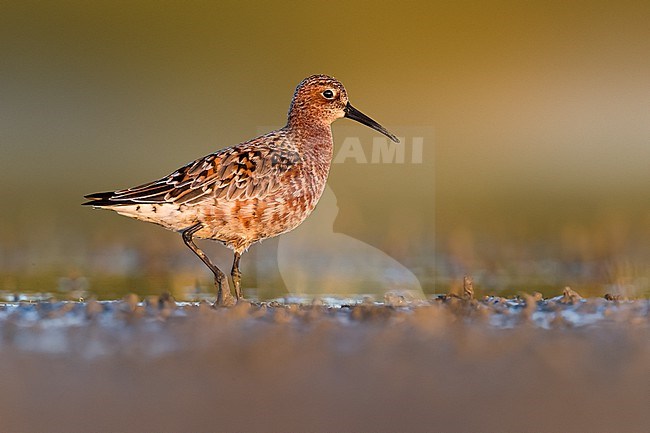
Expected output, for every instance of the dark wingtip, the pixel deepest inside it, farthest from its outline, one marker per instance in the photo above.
(99, 199)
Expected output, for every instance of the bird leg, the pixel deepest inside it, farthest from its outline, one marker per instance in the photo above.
(236, 276)
(224, 297)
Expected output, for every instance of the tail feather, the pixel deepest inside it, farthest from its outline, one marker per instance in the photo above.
(104, 199)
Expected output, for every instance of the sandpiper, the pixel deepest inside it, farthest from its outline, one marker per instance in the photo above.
(251, 191)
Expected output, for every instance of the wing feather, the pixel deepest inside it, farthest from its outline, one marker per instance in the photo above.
(249, 170)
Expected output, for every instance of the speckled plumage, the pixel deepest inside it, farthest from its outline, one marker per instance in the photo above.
(252, 191)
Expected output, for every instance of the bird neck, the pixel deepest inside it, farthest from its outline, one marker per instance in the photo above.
(311, 137)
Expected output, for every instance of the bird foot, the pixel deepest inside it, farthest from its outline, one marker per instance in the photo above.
(224, 297)
(228, 302)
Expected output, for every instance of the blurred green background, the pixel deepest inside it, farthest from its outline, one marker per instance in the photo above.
(535, 117)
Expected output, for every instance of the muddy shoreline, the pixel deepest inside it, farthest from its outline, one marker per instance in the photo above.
(445, 364)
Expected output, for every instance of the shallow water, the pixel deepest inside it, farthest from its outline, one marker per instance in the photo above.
(442, 364)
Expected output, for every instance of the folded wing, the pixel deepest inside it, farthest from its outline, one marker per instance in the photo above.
(241, 172)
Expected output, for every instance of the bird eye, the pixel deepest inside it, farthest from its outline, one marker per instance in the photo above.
(328, 94)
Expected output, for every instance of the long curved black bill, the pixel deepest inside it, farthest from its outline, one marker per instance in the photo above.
(354, 114)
